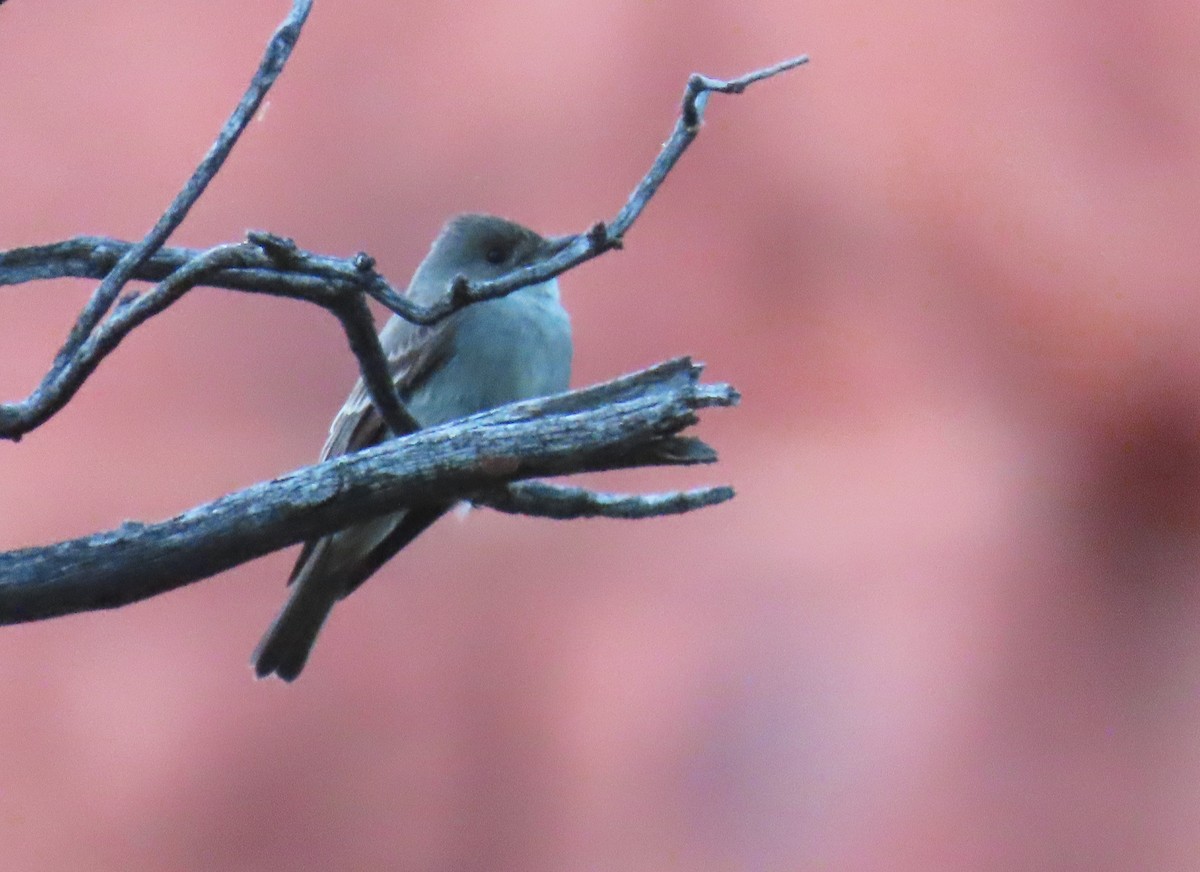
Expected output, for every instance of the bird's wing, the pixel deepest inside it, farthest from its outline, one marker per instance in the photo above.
(413, 352)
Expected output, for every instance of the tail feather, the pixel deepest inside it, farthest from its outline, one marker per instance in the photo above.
(284, 648)
(327, 570)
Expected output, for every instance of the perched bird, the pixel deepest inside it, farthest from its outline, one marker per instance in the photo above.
(482, 356)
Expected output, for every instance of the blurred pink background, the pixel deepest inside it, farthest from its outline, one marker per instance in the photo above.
(951, 620)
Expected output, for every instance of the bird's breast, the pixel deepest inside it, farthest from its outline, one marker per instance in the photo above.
(505, 350)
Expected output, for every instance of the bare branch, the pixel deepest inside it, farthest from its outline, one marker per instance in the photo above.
(359, 326)
(266, 264)
(93, 257)
(561, 502)
(67, 373)
(695, 99)
(594, 429)
(273, 265)
(349, 307)
(603, 237)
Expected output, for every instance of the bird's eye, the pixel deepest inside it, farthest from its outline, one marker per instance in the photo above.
(496, 255)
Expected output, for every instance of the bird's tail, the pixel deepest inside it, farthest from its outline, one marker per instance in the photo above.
(326, 571)
(284, 648)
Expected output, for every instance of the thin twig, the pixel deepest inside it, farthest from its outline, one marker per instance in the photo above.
(562, 502)
(359, 327)
(350, 308)
(602, 237)
(695, 99)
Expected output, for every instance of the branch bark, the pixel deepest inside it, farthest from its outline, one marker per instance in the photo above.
(631, 421)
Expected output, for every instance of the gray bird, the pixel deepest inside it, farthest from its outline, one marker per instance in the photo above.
(483, 356)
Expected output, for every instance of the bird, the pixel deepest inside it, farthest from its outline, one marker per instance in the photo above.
(484, 355)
